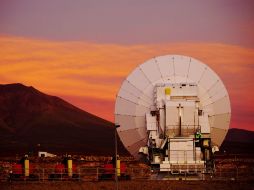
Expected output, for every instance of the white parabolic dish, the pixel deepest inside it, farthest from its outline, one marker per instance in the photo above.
(136, 97)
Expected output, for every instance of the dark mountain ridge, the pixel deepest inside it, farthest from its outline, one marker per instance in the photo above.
(29, 118)
(238, 141)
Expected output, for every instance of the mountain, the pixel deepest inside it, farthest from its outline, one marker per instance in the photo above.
(238, 141)
(31, 120)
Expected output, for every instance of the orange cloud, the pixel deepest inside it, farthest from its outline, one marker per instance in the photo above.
(89, 74)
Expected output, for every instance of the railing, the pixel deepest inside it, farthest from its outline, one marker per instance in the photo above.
(132, 173)
(186, 130)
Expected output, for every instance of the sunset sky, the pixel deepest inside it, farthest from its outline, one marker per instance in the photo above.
(82, 50)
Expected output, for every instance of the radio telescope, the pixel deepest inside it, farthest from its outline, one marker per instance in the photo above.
(166, 102)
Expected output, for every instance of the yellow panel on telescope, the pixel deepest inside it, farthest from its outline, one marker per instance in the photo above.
(167, 91)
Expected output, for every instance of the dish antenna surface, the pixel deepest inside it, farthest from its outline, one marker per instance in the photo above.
(137, 97)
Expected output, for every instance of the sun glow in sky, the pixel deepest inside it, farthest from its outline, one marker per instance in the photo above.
(83, 60)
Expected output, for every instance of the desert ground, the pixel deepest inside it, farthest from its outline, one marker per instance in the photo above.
(131, 185)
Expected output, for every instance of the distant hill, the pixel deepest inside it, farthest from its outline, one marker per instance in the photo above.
(31, 120)
(238, 141)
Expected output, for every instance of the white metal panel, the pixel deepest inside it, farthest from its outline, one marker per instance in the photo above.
(127, 122)
(204, 123)
(151, 70)
(189, 80)
(127, 86)
(181, 144)
(129, 137)
(179, 79)
(217, 136)
(162, 121)
(143, 100)
(138, 79)
(176, 156)
(220, 121)
(151, 122)
(175, 91)
(165, 64)
(160, 93)
(172, 120)
(142, 132)
(203, 96)
(219, 107)
(219, 94)
(196, 70)
(206, 101)
(215, 88)
(161, 81)
(188, 114)
(208, 79)
(213, 94)
(198, 154)
(148, 92)
(147, 97)
(128, 96)
(181, 65)
(125, 107)
(134, 148)
(141, 110)
(190, 90)
(140, 121)
(181, 150)
(189, 156)
(169, 79)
